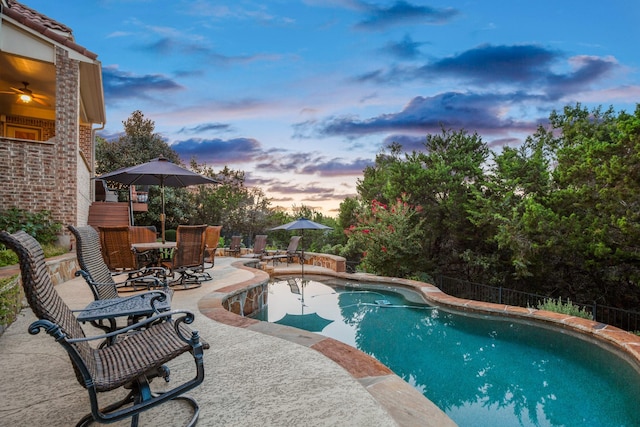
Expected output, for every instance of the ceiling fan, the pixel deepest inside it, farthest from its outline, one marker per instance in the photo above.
(26, 95)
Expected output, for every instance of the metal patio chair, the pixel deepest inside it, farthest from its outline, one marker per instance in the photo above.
(131, 363)
(289, 255)
(235, 246)
(211, 240)
(188, 257)
(259, 247)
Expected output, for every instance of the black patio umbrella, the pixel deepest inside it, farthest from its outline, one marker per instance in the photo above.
(159, 171)
(302, 224)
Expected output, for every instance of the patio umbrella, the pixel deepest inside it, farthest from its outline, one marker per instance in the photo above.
(302, 224)
(159, 171)
(311, 322)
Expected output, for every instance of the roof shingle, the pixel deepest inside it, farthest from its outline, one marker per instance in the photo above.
(46, 26)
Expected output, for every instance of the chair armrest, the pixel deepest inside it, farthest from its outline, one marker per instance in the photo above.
(187, 317)
(154, 297)
(54, 330)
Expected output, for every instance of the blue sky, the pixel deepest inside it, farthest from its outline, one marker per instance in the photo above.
(302, 95)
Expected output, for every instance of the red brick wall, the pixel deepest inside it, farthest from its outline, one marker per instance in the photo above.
(86, 143)
(42, 175)
(48, 127)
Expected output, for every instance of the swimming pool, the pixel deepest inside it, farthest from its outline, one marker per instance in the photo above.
(478, 370)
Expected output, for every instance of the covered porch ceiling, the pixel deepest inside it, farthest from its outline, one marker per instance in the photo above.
(41, 79)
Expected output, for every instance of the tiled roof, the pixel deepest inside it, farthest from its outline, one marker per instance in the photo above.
(43, 24)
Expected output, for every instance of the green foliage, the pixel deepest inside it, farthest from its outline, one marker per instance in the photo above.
(390, 238)
(559, 213)
(37, 224)
(567, 307)
(240, 210)
(170, 235)
(7, 257)
(9, 300)
(137, 145)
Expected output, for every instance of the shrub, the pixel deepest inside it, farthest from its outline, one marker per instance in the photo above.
(8, 257)
(170, 235)
(38, 224)
(389, 238)
(567, 307)
(9, 300)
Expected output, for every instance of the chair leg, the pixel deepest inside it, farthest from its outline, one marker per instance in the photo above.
(186, 281)
(140, 392)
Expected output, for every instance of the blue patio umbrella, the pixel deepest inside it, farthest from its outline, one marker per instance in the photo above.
(311, 322)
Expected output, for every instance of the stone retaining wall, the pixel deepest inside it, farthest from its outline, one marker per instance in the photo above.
(62, 268)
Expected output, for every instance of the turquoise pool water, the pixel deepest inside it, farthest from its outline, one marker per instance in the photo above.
(479, 371)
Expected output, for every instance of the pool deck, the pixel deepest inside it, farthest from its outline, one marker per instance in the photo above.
(257, 374)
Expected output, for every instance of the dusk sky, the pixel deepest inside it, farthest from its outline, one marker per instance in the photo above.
(302, 95)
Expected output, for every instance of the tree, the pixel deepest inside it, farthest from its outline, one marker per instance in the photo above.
(239, 209)
(139, 144)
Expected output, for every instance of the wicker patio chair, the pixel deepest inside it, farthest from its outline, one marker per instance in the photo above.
(289, 254)
(116, 248)
(98, 276)
(188, 257)
(211, 240)
(259, 247)
(116, 243)
(143, 234)
(100, 281)
(130, 364)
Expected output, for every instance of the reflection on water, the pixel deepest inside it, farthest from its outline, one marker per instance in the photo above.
(479, 371)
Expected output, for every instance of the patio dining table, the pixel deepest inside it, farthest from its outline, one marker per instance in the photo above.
(154, 249)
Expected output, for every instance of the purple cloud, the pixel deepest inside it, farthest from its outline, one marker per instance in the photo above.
(402, 13)
(487, 63)
(336, 167)
(206, 127)
(122, 85)
(472, 111)
(217, 151)
(404, 49)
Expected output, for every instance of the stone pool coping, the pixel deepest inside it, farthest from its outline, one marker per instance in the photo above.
(402, 401)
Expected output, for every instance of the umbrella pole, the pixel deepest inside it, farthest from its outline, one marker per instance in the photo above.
(302, 259)
(130, 207)
(162, 214)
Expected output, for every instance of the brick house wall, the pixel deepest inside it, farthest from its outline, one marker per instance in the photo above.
(53, 174)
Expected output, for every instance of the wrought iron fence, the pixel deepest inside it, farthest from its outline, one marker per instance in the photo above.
(623, 319)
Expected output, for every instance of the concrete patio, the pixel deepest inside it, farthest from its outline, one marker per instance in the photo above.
(256, 375)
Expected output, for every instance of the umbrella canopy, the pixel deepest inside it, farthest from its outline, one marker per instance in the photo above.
(302, 224)
(311, 322)
(159, 171)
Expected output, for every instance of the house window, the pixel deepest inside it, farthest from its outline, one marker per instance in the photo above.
(23, 132)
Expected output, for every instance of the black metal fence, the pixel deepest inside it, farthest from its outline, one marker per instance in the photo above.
(623, 319)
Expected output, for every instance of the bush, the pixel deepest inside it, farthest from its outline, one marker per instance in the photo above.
(37, 224)
(568, 307)
(170, 235)
(8, 257)
(9, 300)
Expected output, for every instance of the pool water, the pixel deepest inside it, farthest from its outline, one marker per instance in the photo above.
(480, 371)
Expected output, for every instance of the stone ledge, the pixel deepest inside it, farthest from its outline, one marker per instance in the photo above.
(62, 268)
